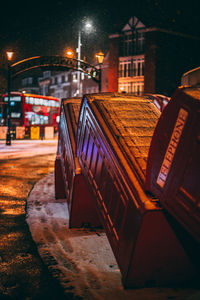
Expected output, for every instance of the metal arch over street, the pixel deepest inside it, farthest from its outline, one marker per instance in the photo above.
(56, 63)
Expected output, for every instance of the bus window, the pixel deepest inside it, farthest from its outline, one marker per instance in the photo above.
(15, 109)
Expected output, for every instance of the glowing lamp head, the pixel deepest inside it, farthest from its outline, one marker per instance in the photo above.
(69, 53)
(88, 25)
(100, 57)
(9, 55)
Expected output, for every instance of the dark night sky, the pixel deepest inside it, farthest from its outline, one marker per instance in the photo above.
(45, 27)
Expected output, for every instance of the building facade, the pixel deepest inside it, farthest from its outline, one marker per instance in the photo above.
(140, 60)
(149, 60)
(127, 58)
(65, 84)
(131, 58)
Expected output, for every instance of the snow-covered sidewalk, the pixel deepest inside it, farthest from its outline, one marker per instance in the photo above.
(82, 259)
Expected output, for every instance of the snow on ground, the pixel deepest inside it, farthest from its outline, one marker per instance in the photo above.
(81, 259)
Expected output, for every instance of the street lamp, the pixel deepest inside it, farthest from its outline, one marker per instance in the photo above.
(69, 53)
(88, 27)
(8, 135)
(100, 58)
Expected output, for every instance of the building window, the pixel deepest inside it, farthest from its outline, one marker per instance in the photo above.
(131, 68)
(125, 87)
(128, 44)
(59, 80)
(66, 94)
(140, 42)
(30, 80)
(125, 69)
(44, 90)
(132, 43)
(46, 74)
(120, 69)
(74, 77)
(139, 68)
(27, 81)
(136, 88)
(24, 81)
(134, 68)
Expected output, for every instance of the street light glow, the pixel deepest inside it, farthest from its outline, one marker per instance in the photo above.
(9, 54)
(100, 57)
(88, 25)
(69, 53)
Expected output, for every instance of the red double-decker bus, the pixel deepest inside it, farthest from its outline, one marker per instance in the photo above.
(29, 110)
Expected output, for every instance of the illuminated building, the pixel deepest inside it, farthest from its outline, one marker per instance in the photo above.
(146, 59)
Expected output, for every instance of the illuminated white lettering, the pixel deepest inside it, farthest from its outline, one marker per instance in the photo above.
(171, 149)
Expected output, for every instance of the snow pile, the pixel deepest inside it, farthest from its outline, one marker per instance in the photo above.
(81, 259)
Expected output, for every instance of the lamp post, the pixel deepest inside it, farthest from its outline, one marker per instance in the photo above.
(88, 27)
(8, 135)
(79, 58)
(100, 58)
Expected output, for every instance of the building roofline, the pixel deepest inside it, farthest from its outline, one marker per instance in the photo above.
(171, 32)
(151, 29)
(115, 35)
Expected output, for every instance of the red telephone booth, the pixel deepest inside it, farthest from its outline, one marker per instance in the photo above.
(113, 138)
(174, 159)
(69, 180)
